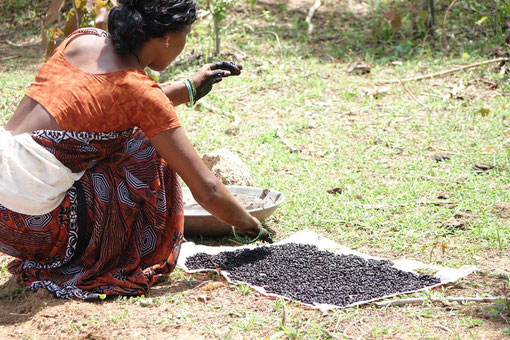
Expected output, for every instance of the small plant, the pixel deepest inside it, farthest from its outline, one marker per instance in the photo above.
(116, 317)
(426, 271)
(219, 9)
(244, 289)
(442, 245)
(501, 307)
(142, 301)
(287, 332)
(11, 295)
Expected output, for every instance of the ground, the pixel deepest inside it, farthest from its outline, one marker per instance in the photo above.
(355, 157)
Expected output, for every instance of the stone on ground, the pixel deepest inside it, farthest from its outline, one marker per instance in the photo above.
(228, 168)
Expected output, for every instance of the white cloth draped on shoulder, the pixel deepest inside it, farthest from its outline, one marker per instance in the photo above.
(32, 180)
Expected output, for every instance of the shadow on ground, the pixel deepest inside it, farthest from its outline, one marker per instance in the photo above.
(18, 305)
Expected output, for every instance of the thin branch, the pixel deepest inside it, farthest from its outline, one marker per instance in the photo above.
(438, 325)
(280, 135)
(412, 95)
(214, 109)
(386, 206)
(442, 73)
(403, 302)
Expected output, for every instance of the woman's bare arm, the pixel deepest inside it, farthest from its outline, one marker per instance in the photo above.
(176, 92)
(208, 191)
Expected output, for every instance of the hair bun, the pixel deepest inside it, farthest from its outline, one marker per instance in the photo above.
(136, 21)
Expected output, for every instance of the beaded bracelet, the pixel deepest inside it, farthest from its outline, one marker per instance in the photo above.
(190, 86)
(245, 239)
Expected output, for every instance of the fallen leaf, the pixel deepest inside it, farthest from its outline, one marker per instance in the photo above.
(492, 85)
(482, 167)
(337, 190)
(358, 68)
(441, 158)
(203, 297)
(442, 196)
(489, 148)
(213, 285)
(377, 92)
(457, 90)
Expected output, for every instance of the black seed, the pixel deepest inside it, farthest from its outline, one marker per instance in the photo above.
(305, 273)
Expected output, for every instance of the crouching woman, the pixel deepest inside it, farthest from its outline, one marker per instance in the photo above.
(90, 196)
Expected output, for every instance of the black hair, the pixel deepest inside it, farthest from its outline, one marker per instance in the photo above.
(134, 22)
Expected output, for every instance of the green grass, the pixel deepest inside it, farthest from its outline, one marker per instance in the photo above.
(378, 150)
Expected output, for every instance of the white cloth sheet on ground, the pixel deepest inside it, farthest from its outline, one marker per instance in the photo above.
(445, 274)
(32, 180)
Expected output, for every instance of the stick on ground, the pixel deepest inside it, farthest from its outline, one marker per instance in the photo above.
(443, 73)
(412, 95)
(403, 302)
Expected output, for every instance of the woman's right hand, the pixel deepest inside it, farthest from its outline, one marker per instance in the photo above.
(252, 230)
(210, 74)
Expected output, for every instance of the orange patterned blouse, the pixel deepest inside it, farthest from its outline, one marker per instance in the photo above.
(115, 101)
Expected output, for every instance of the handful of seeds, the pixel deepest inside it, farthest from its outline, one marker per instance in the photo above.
(303, 272)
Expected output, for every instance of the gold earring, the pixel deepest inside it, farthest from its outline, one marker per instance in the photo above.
(167, 44)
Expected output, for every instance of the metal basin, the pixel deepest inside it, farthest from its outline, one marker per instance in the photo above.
(260, 203)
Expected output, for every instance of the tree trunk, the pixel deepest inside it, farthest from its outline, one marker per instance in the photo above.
(428, 5)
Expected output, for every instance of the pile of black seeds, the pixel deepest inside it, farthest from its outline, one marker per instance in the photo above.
(305, 273)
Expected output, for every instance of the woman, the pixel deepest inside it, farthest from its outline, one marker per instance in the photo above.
(90, 199)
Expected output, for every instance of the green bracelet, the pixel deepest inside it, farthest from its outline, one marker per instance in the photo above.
(245, 239)
(194, 89)
(191, 94)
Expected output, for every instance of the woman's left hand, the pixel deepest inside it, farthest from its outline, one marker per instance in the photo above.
(210, 74)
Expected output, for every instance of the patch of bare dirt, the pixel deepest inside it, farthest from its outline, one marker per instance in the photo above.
(502, 209)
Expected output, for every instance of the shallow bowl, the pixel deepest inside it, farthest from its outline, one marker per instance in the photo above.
(260, 203)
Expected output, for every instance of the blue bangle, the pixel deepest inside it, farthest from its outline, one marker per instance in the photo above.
(187, 82)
